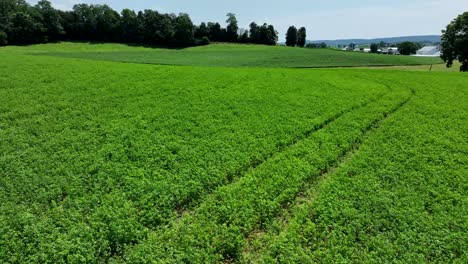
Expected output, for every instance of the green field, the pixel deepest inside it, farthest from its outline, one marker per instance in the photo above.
(431, 67)
(230, 55)
(110, 162)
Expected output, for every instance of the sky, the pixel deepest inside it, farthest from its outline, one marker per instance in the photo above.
(330, 19)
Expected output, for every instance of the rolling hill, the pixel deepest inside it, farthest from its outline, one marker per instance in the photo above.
(228, 55)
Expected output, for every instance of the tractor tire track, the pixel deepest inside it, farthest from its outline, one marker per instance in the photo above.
(183, 208)
(205, 216)
(307, 195)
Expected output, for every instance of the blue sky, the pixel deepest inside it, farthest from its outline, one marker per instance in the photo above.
(331, 19)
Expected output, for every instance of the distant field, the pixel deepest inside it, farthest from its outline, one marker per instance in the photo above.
(229, 55)
(428, 68)
(109, 162)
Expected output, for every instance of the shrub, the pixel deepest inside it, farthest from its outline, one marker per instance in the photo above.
(408, 48)
(3, 38)
(204, 41)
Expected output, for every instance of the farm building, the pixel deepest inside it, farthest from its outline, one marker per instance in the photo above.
(391, 51)
(429, 51)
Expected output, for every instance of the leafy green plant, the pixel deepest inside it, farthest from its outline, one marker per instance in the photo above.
(109, 162)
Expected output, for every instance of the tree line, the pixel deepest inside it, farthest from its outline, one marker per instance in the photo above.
(295, 37)
(21, 23)
(405, 48)
(321, 45)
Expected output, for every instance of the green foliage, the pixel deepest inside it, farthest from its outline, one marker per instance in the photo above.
(374, 47)
(204, 41)
(316, 45)
(455, 42)
(408, 48)
(3, 38)
(158, 28)
(232, 27)
(24, 28)
(254, 33)
(215, 32)
(102, 153)
(184, 31)
(400, 198)
(130, 26)
(301, 37)
(202, 31)
(291, 36)
(25, 24)
(268, 35)
(107, 162)
(244, 38)
(51, 20)
(236, 210)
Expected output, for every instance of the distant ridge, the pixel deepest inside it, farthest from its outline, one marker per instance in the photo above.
(425, 39)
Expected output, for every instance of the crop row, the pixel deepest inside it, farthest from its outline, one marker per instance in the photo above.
(219, 228)
(401, 198)
(95, 155)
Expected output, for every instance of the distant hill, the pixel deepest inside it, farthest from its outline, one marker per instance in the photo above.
(425, 39)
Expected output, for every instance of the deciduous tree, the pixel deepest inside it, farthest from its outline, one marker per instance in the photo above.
(301, 37)
(408, 48)
(21, 23)
(291, 36)
(244, 38)
(254, 31)
(184, 31)
(3, 38)
(129, 26)
(158, 28)
(216, 32)
(232, 28)
(50, 19)
(25, 29)
(455, 42)
(202, 31)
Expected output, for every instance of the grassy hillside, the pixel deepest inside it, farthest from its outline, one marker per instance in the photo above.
(108, 162)
(228, 55)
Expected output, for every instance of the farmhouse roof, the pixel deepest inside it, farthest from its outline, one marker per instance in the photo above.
(429, 51)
